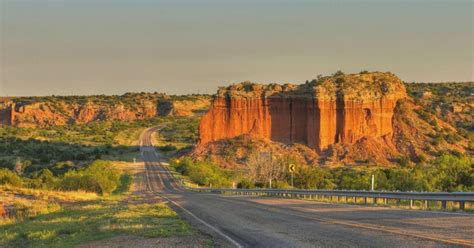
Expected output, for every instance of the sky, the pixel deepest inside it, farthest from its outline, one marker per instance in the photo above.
(78, 47)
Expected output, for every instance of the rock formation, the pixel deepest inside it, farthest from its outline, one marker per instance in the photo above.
(53, 111)
(6, 107)
(331, 110)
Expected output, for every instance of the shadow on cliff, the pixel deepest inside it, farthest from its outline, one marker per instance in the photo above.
(35, 155)
(307, 120)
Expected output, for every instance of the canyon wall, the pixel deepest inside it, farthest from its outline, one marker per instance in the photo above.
(338, 109)
(31, 112)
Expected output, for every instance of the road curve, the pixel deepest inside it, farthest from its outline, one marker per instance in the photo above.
(249, 221)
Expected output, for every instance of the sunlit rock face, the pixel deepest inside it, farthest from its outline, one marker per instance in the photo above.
(338, 109)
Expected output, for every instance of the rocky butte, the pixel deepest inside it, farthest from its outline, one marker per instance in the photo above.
(341, 109)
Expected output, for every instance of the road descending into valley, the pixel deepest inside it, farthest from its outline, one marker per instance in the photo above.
(250, 221)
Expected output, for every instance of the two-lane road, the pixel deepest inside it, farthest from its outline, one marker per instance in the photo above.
(239, 221)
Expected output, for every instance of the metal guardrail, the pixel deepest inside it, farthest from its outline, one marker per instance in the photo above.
(375, 196)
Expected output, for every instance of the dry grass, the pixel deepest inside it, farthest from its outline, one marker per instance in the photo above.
(128, 137)
(47, 195)
(79, 223)
(26, 202)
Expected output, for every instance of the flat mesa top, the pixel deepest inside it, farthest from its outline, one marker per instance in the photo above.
(361, 86)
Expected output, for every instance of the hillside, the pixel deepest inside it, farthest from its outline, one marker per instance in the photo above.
(451, 102)
(354, 119)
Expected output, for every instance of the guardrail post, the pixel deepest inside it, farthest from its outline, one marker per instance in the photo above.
(443, 204)
(461, 205)
(426, 204)
(411, 203)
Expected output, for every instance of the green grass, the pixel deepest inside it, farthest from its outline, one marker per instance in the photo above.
(93, 220)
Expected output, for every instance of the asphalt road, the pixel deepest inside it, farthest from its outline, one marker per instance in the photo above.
(249, 221)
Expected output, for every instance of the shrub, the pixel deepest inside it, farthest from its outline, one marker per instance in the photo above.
(312, 178)
(455, 173)
(203, 173)
(351, 179)
(451, 138)
(246, 184)
(338, 73)
(167, 148)
(9, 177)
(99, 177)
(403, 161)
(126, 181)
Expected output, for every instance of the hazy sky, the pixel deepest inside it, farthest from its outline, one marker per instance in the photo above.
(194, 46)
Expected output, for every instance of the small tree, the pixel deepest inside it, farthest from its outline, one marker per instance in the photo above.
(265, 168)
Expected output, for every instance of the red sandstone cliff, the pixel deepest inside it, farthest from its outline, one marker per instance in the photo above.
(53, 111)
(333, 110)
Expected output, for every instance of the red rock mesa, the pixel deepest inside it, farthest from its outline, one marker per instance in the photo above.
(337, 109)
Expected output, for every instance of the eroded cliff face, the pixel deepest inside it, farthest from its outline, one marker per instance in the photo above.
(55, 111)
(332, 110)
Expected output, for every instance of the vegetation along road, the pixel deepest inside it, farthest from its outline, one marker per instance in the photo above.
(249, 221)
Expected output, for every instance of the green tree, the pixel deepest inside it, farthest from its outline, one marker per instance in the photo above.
(312, 178)
(454, 173)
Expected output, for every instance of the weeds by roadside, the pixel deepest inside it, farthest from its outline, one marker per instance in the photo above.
(92, 221)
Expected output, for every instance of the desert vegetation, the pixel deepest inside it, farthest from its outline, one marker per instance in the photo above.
(95, 220)
(99, 177)
(64, 185)
(451, 102)
(80, 205)
(60, 148)
(60, 218)
(447, 173)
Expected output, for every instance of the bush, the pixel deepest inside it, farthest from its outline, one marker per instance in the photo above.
(347, 178)
(43, 179)
(203, 173)
(9, 177)
(403, 161)
(338, 73)
(312, 178)
(455, 173)
(451, 138)
(167, 148)
(99, 177)
(245, 184)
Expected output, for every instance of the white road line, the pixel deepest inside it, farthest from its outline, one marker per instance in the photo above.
(203, 222)
(187, 211)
